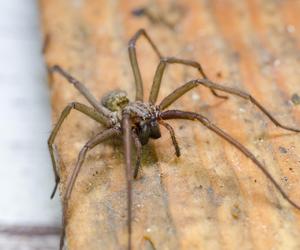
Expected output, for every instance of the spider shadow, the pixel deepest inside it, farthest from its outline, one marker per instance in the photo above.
(148, 158)
(282, 133)
(207, 107)
(278, 135)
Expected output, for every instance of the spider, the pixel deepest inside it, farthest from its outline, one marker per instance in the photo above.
(138, 121)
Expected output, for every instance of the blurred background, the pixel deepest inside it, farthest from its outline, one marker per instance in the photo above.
(28, 218)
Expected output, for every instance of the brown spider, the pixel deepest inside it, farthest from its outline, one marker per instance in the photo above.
(138, 121)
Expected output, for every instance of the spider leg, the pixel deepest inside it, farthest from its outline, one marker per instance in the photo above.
(81, 108)
(177, 93)
(102, 136)
(138, 147)
(177, 114)
(104, 112)
(160, 71)
(126, 129)
(134, 62)
(173, 137)
(56, 160)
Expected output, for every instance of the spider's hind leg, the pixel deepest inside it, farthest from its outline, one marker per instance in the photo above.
(134, 62)
(105, 113)
(177, 93)
(161, 69)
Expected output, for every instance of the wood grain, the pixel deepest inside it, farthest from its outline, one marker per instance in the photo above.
(212, 197)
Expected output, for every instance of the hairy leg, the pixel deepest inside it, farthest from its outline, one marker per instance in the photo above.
(81, 108)
(177, 93)
(160, 71)
(127, 135)
(103, 111)
(177, 114)
(134, 62)
(173, 137)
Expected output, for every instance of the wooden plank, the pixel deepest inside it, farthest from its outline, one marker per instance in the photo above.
(212, 197)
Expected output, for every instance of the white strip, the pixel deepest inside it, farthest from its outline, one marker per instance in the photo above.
(26, 177)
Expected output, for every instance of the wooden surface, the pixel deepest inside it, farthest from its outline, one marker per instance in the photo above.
(212, 197)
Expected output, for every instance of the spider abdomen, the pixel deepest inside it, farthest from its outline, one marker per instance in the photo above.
(115, 100)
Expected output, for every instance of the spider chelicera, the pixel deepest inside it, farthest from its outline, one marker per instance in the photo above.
(139, 121)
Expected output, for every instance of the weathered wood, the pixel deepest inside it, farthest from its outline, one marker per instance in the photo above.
(212, 197)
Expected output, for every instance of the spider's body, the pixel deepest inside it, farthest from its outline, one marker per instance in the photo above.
(144, 116)
(144, 119)
(138, 121)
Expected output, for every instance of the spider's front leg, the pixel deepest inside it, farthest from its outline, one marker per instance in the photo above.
(178, 114)
(102, 136)
(138, 146)
(99, 138)
(127, 135)
(173, 137)
(90, 112)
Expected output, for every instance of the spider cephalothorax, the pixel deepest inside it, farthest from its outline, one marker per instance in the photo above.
(143, 115)
(144, 120)
(138, 121)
